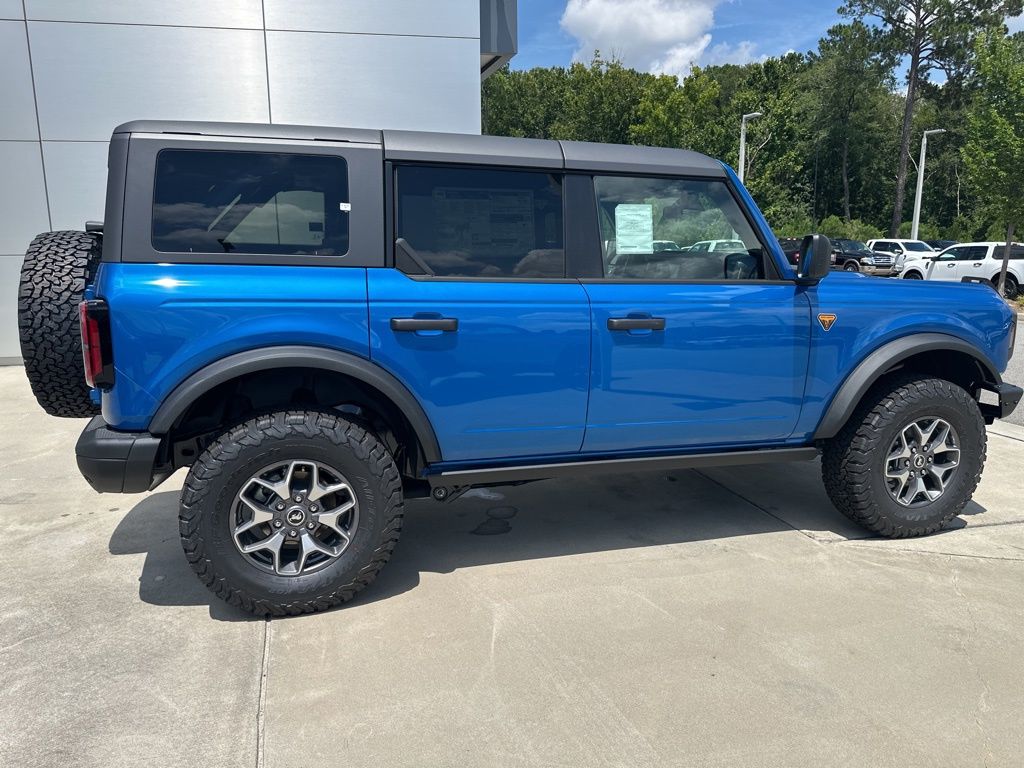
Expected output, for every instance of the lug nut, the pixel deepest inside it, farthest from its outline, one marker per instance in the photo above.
(293, 534)
(278, 523)
(280, 507)
(298, 497)
(313, 508)
(311, 525)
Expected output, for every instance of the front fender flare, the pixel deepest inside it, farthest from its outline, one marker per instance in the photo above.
(205, 379)
(874, 366)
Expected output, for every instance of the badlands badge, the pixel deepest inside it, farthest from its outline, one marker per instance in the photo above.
(826, 320)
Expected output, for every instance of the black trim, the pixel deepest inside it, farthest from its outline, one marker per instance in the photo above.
(118, 462)
(205, 379)
(582, 229)
(636, 323)
(506, 474)
(875, 365)
(413, 324)
(1009, 396)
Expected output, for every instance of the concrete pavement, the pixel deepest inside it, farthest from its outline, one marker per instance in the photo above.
(717, 618)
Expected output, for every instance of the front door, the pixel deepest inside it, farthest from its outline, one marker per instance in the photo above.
(696, 343)
(478, 319)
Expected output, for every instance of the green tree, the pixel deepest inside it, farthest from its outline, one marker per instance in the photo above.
(930, 34)
(994, 152)
(841, 86)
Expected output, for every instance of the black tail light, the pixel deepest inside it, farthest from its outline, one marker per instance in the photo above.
(97, 354)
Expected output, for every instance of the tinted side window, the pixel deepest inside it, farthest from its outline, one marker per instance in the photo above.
(481, 222)
(1016, 252)
(710, 238)
(250, 202)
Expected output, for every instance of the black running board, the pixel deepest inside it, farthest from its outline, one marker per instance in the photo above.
(518, 474)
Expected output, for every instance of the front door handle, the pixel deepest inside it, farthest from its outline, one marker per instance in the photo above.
(412, 324)
(977, 263)
(636, 323)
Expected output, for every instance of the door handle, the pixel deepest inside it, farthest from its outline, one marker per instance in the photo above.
(950, 266)
(977, 263)
(636, 323)
(412, 324)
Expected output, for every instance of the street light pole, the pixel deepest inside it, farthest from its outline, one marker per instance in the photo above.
(743, 141)
(920, 181)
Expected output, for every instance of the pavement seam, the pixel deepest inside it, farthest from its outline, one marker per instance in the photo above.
(932, 552)
(261, 702)
(756, 506)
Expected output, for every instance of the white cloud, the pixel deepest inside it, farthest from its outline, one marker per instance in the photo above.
(661, 36)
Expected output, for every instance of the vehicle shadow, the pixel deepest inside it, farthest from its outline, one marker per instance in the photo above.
(553, 518)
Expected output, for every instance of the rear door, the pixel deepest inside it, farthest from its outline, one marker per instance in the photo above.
(691, 348)
(478, 318)
(971, 263)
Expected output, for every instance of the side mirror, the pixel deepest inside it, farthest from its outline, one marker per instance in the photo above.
(815, 259)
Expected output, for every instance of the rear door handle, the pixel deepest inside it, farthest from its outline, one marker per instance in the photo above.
(412, 324)
(636, 323)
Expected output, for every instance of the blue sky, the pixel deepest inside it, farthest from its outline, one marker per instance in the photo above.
(707, 31)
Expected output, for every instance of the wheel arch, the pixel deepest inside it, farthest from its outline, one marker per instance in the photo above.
(255, 361)
(933, 353)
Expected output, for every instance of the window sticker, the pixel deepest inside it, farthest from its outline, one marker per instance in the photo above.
(634, 228)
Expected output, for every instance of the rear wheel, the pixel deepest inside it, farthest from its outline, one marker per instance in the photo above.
(1011, 288)
(909, 459)
(291, 513)
(57, 268)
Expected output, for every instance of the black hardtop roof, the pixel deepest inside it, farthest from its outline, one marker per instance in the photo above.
(427, 147)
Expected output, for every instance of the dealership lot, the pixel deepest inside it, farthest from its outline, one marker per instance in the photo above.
(721, 617)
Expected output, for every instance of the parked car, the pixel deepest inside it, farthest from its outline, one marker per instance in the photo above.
(791, 247)
(854, 256)
(940, 245)
(256, 311)
(981, 261)
(717, 246)
(898, 249)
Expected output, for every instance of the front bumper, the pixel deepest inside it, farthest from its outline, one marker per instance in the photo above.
(871, 269)
(118, 462)
(1008, 396)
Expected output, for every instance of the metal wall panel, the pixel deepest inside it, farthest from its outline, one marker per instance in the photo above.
(11, 9)
(447, 18)
(76, 179)
(22, 195)
(10, 271)
(375, 81)
(202, 13)
(17, 107)
(92, 77)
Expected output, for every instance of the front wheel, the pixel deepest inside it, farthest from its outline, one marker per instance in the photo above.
(909, 459)
(851, 266)
(291, 513)
(912, 276)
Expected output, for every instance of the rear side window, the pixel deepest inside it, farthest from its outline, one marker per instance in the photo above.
(709, 235)
(250, 202)
(482, 222)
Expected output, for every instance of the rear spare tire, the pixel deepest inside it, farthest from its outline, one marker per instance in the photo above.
(57, 268)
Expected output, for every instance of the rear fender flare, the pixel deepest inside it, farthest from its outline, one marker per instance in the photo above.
(225, 369)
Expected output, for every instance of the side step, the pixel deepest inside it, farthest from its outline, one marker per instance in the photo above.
(458, 478)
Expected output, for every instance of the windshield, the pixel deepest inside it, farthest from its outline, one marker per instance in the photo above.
(914, 245)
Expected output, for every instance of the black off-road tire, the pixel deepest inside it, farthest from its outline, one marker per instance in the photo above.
(913, 275)
(217, 475)
(57, 268)
(853, 462)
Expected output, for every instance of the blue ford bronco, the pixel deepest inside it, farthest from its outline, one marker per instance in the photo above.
(319, 322)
